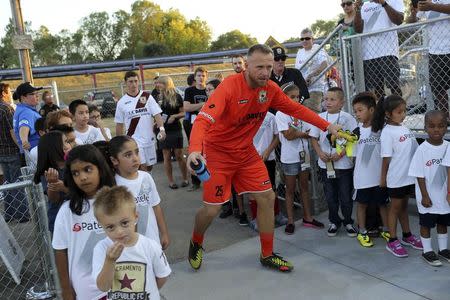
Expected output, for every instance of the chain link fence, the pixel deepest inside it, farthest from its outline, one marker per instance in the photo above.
(27, 265)
(412, 60)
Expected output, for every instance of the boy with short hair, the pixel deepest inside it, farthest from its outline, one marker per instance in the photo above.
(336, 169)
(95, 119)
(126, 263)
(366, 179)
(428, 166)
(84, 132)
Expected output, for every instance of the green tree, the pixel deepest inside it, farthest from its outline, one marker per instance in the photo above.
(9, 57)
(46, 47)
(105, 36)
(154, 49)
(233, 40)
(322, 28)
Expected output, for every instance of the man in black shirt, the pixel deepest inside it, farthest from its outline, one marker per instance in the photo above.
(194, 98)
(281, 75)
(48, 106)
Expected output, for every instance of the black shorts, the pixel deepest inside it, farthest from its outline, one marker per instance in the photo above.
(381, 70)
(174, 140)
(401, 192)
(375, 195)
(439, 68)
(271, 166)
(430, 220)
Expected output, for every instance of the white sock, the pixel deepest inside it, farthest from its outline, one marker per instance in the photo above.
(426, 243)
(442, 241)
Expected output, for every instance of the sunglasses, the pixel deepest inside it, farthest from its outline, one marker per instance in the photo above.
(305, 38)
(349, 3)
(280, 58)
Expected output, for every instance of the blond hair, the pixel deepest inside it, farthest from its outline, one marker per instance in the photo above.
(109, 200)
(168, 93)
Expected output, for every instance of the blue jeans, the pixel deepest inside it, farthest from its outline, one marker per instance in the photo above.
(338, 193)
(16, 205)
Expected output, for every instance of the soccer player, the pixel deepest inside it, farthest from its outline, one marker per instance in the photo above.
(224, 131)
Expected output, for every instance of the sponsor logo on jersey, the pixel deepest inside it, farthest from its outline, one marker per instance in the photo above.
(406, 136)
(208, 116)
(434, 161)
(86, 226)
(371, 140)
(262, 97)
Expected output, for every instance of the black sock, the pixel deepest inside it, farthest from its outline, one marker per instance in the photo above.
(392, 240)
(406, 234)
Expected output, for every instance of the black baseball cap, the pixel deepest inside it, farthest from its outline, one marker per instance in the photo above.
(24, 89)
(279, 52)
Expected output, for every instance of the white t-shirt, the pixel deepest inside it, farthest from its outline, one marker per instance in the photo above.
(34, 155)
(265, 134)
(348, 122)
(398, 143)
(290, 149)
(90, 136)
(135, 269)
(302, 56)
(375, 18)
(438, 33)
(108, 132)
(146, 195)
(426, 163)
(446, 160)
(368, 160)
(126, 111)
(79, 235)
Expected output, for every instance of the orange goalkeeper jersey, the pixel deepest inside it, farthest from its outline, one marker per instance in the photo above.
(233, 114)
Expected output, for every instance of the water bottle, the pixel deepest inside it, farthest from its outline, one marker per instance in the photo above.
(200, 170)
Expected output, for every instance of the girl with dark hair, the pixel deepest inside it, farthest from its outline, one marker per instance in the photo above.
(52, 148)
(124, 153)
(398, 145)
(172, 111)
(76, 228)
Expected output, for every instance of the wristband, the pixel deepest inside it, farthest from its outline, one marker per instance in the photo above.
(162, 128)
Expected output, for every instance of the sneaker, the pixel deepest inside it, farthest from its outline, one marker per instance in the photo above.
(280, 219)
(253, 225)
(195, 255)
(432, 259)
(193, 188)
(445, 254)
(364, 240)
(396, 249)
(243, 221)
(412, 241)
(374, 233)
(275, 261)
(332, 230)
(351, 230)
(226, 212)
(313, 224)
(289, 229)
(385, 235)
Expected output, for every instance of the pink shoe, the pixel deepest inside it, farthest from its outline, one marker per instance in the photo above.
(412, 241)
(396, 249)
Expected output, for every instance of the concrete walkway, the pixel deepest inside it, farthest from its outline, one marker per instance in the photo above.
(325, 268)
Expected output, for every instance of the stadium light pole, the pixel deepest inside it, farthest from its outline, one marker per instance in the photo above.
(22, 42)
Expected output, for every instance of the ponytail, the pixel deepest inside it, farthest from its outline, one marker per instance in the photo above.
(379, 116)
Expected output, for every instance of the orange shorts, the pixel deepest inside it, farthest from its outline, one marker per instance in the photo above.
(247, 176)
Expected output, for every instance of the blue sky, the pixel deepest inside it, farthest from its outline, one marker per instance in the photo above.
(282, 18)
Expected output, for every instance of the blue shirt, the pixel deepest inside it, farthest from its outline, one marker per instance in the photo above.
(26, 115)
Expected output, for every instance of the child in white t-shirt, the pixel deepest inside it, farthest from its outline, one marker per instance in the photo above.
(265, 142)
(336, 169)
(398, 145)
(125, 157)
(431, 187)
(95, 119)
(76, 229)
(85, 133)
(446, 163)
(366, 176)
(295, 161)
(126, 264)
